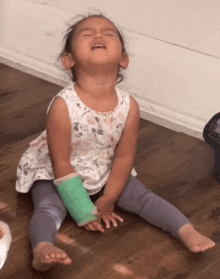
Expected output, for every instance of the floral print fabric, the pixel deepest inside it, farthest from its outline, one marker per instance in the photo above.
(93, 140)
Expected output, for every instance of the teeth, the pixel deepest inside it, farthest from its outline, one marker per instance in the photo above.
(98, 46)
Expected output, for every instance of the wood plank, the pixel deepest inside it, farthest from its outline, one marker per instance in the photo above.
(24, 101)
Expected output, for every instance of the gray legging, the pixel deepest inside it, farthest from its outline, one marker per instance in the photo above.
(49, 210)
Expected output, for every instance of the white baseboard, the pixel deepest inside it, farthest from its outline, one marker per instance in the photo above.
(33, 67)
(171, 119)
(150, 111)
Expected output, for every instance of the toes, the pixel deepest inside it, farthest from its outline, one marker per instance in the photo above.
(67, 261)
(63, 255)
(209, 245)
(48, 258)
(51, 255)
(58, 256)
(196, 249)
(202, 247)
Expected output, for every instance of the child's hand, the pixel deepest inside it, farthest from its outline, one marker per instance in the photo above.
(106, 211)
(94, 226)
(109, 218)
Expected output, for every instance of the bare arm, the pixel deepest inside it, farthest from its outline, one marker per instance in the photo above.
(122, 166)
(124, 155)
(58, 136)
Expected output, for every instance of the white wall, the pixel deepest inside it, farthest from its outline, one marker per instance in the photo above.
(174, 49)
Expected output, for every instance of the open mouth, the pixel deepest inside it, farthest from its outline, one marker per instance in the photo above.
(96, 46)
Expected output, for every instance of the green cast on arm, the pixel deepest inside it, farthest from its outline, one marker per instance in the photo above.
(77, 201)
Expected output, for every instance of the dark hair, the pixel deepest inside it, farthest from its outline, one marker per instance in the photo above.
(68, 38)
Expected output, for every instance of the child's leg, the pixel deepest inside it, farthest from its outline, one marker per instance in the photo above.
(155, 210)
(49, 212)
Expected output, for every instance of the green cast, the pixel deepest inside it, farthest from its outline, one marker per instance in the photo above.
(77, 201)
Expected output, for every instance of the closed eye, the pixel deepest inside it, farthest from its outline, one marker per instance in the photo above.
(110, 34)
(86, 34)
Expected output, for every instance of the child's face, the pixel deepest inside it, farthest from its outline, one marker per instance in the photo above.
(96, 40)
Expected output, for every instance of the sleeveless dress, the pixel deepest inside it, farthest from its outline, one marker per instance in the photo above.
(94, 136)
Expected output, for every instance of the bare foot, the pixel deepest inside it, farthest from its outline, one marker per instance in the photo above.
(46, 255)
(193, 240)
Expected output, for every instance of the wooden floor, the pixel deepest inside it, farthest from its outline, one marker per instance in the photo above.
(173, 165)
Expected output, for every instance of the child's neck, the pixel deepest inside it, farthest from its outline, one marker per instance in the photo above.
(97, 86)
(97, 93)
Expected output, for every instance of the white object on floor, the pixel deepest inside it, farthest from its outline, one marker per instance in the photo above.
(5, 242)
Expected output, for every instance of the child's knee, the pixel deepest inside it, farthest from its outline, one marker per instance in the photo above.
(53, 211)
(144, 201)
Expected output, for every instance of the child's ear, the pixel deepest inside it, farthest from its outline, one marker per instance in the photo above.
(67, 61)
(124, 62)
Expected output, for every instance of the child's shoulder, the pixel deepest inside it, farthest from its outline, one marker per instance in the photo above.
(122, 92)
(128, 99)
(67, 94)
(126, 96)
(123, 95)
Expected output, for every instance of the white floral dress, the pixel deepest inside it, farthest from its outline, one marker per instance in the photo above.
(94, 137)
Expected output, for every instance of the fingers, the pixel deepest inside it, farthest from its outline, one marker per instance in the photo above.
(116, 216)
(108, 219)
(94, 226)
(111, 218)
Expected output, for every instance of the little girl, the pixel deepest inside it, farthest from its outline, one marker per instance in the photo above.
(83, 161)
